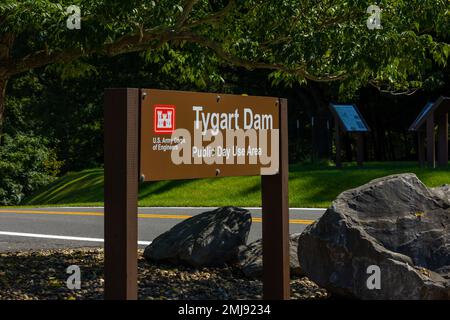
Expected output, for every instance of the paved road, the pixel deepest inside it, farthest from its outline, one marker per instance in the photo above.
(50, 228)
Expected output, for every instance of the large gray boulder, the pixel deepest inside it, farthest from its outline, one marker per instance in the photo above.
(211, 238)
(395, 223)
(251, 263)
(442, 192)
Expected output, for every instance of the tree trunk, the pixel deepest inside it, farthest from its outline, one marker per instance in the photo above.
(321, 138)
(6, 44)
(347, 140)
(3, 83)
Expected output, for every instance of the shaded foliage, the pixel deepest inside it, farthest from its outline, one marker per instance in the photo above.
(26, 164)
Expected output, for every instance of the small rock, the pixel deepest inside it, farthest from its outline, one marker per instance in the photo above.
(251, 258)
(208, 239)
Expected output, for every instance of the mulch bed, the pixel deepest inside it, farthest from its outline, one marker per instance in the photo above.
(42, 275)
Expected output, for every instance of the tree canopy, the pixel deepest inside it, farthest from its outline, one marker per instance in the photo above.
(298, 39)
(56, 75)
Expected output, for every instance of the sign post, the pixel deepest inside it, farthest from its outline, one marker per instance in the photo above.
(338, 141)
(431, 142)
(421, 140)
(359, 149)
(443, 140)
(153, 135)
(121, 116)
(275, 229)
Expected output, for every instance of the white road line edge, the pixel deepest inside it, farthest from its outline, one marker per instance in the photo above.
(49, 236)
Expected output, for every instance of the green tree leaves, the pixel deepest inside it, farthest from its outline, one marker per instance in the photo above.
(26, 164)
(298, 39)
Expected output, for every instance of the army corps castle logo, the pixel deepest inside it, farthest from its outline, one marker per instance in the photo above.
(164, 118)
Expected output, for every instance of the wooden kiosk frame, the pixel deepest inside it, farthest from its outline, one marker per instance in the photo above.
(122, 140)
(431, 115)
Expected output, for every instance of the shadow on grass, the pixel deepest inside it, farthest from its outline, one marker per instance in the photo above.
(309, 186)
(148, 189)
(79, 187)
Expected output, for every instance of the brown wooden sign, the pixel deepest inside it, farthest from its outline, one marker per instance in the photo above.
(186, 135)
(137, 120)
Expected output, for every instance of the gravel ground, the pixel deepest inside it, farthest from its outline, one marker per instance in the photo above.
(42, 275)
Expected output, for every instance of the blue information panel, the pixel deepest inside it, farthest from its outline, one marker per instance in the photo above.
(350, 117)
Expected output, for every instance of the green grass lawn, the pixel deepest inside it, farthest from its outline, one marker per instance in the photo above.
(309, 186)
